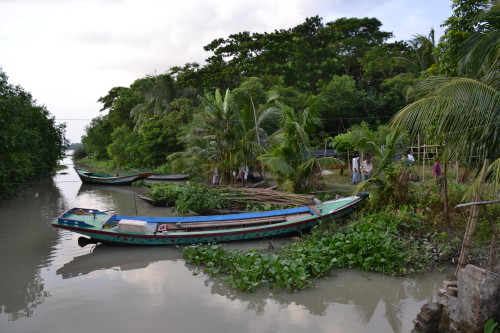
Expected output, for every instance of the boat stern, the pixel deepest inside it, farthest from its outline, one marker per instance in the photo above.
(81, 218)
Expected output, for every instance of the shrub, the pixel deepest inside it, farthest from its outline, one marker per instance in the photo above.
(167, 193)
(79, 153)
(200, 199)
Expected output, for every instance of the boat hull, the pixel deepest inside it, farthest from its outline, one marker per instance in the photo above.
(91, 178)
(95, 225)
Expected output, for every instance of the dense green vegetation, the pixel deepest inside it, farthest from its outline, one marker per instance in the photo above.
(266, 100)
(31, 144)
(319, 78)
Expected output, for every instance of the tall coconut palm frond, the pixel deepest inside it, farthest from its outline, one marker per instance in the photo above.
(277, 165)
(158, 92)
(422, 56)
(464, 112)
(481, 52)
(284, 173)
(291, 159)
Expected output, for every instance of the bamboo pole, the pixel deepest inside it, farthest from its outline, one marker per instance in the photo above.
(418, 152)
(471, 224)
(445, 196)
(424, 155)
(478, 203)
(494, 237)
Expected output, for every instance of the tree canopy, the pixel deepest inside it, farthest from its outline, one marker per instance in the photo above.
(348, 67)
(31, 143)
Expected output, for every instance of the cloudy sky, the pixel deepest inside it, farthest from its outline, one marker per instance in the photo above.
(68, 53)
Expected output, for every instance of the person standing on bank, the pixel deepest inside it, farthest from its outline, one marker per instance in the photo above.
(436, 171)
(215, 178)
(356, 175)
(366, 168)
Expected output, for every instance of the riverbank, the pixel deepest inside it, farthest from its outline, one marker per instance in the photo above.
(427, 240)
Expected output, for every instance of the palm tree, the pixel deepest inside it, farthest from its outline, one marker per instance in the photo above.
(252, 139)
(211, 136)
(422, 55)
(464, 111)
(290, 160)
(158, 92)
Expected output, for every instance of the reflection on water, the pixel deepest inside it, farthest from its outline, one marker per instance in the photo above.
(26, 244)
(117, 257)
(363, 292)
(49, 284)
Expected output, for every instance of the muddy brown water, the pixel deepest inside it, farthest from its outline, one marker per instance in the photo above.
(49, 284)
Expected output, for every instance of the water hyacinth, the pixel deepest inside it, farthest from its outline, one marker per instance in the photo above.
(363, 245)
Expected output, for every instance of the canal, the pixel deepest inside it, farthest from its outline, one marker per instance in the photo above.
(49, 284)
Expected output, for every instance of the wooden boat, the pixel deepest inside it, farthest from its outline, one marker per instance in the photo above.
(95, 178)
(120, 229)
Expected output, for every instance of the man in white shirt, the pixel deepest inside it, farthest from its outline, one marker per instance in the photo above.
(356, 175)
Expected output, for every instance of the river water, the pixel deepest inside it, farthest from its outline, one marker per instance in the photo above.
(49, 284)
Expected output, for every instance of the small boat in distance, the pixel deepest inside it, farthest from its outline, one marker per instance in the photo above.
(120, 229)
(95, 178)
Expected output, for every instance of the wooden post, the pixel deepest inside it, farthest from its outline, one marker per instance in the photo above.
(471, 224)
(444, 190)
(418, 152)
(423, 163)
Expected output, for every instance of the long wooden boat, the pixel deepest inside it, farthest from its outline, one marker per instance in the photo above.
(120, 229)
(95, 178)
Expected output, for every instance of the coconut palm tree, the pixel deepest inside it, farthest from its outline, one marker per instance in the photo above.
(291, 161)
(464, 112)
(253, 139)
(422, 56)
(211, 136)
(158, 92)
